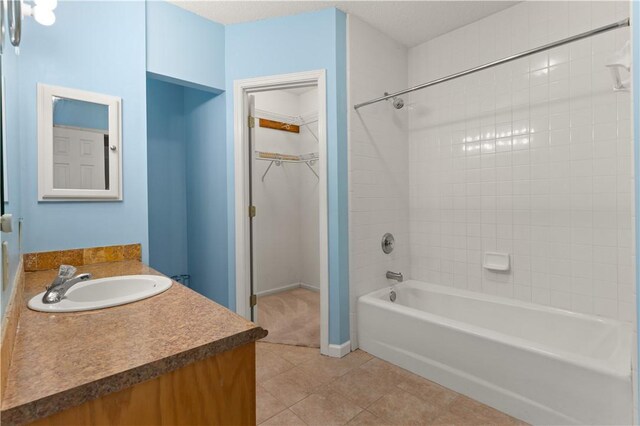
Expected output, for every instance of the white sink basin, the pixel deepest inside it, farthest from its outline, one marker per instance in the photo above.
(104, 293)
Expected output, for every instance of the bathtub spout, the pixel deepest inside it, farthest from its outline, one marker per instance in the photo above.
(395, 276)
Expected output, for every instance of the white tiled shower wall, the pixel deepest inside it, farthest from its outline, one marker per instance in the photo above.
(378, 162)
(532, 158)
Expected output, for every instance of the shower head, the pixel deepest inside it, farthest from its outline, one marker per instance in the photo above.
(398, 103)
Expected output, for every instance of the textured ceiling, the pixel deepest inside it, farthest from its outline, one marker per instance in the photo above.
(408, 22)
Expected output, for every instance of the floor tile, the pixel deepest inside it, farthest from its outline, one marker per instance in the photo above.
(358, 389)
(287, 389)
(449, 419)
(479, 413)
(336, 367)
(326, 408)
(296, 355)
(266, 405)
(366, 418)
(296, 384)
(285, 418)
(385, 371)
(431, 393)
(270, 364)
(402, 408)
(362, 387)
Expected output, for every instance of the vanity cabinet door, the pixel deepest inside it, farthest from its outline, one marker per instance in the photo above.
(219, 390)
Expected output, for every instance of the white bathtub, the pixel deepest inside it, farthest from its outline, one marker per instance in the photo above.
(539, 364)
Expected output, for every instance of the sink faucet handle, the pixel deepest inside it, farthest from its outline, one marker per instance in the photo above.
(65, 272)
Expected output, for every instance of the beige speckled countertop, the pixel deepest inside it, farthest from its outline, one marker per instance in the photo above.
(62, 360)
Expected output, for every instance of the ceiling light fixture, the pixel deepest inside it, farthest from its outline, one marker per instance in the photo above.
(40, 10)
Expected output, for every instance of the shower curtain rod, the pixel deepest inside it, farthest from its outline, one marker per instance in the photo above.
(624, 23)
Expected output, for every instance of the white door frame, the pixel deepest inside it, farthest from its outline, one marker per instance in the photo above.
(241, 89)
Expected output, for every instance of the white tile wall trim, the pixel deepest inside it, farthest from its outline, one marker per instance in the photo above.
(378, 162)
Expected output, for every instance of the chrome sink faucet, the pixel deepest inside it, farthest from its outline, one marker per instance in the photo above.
(63, 282)
(395, 276)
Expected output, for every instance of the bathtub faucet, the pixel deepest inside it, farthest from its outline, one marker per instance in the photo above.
(395, 276)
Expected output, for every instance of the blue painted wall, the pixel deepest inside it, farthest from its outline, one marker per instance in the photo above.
(96, 46)
(166, 171)
(207, 193)
(10, 74)
(187, 185)
(187, 50)
(183, 47)
(78, 52)
(309, 41)
(67, 112)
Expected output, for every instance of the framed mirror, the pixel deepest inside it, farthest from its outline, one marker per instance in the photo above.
(79, 145)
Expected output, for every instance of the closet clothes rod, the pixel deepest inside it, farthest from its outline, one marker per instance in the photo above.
(620, 24)
(278, 162)
(278, 159)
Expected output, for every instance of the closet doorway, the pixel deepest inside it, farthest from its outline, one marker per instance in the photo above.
(281, 207)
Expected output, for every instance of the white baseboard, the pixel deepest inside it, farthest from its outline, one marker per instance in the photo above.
(287, 287)
(309, 287)
(278, 289)
(338, 351)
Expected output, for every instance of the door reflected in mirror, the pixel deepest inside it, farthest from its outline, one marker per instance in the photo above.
(80, 144)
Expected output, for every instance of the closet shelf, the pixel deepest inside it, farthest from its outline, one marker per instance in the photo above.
(298, 120)
(295, 120)
(278, 158)
(286, 158)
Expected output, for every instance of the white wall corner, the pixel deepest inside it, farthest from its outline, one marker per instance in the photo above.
(309, 287)
(354, 330)
(338, 351)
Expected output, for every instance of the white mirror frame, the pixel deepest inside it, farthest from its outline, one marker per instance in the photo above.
(46, 191)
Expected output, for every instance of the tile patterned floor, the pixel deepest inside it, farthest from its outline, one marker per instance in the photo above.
(298, 386)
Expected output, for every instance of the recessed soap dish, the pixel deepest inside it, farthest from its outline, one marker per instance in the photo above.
(496, 261)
